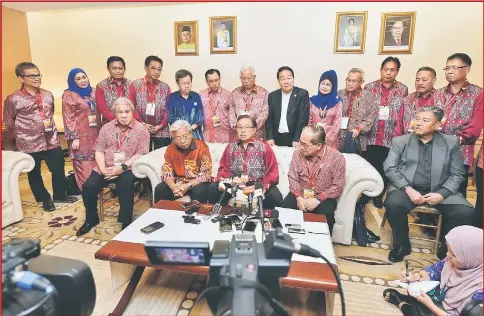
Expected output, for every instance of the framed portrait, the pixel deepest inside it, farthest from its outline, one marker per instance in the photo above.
(223, 35)
(396, 34)
(186, 38)
(350, 32)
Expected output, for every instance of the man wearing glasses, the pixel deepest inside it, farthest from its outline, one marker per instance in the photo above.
(359, 110)
(187, 168)
(248, 160)
(462, 105)
(28, 117)
(316, 175)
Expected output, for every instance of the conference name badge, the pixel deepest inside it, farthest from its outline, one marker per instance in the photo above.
(309, 194)
(92, 120)
(384, 113)
(47, 125)
(150, 109)
(216, 120)
(119, 158)
(344, 122)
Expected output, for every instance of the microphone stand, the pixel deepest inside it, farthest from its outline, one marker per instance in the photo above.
(258, 192)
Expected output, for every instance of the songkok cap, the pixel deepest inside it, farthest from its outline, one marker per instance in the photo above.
(222, 22)
(186, 28)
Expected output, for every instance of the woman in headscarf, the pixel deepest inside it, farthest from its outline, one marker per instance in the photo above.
(459, 274)
(325, 107)
(81, 123)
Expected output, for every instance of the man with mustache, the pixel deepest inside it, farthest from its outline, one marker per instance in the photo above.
(423, 96)
(28, 118)
(462, 105)
(425, 167)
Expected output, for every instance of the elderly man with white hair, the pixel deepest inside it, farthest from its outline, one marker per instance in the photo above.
(187, 168)
(250, 99)
(119, 144)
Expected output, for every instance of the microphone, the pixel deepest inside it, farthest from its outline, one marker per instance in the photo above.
(218, 206)
(260, 197)
(271, 213)
(250, 194)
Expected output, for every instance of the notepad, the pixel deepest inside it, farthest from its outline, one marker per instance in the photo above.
(416, 287)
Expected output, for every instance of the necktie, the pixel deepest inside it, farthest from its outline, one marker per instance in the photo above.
(399, 42)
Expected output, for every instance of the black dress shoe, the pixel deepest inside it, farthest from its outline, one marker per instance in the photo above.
(48, 205)
(86, 227)
(67, 199)
(399, 252)
(377, 202)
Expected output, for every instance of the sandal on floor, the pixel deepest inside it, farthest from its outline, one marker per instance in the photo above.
(394, 297)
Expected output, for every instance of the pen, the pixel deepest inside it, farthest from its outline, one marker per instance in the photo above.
(406, 267)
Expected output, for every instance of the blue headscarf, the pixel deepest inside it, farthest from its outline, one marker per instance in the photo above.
(72, 86)
(329, 100)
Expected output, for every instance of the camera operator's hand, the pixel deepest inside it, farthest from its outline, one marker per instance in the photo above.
(301, 203)
(311, 204)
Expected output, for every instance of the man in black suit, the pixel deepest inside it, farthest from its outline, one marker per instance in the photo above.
(425, 168)
(395, 37)
(288, 111)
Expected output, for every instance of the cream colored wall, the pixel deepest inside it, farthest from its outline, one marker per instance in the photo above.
(15, 47)
(269, 35)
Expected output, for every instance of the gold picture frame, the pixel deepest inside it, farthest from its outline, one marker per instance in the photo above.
(182, 46)
(223, 35)
(350, 32)
(397, 32)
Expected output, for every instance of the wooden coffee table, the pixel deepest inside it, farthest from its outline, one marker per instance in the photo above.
(306, 275)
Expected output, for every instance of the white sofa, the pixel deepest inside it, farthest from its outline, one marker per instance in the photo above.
(13, 163)
(360, 177)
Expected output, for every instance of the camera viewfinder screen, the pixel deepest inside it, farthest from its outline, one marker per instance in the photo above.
(193, 256)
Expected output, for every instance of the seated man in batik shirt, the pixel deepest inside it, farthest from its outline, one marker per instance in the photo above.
(187, 168)
(248, 160)
(316, 175)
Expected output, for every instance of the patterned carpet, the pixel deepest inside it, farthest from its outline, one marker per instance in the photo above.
(170, 293)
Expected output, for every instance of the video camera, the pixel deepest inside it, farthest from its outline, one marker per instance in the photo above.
(44, 285)
(244, 275)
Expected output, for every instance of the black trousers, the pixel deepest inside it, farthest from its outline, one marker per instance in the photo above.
(398, 205)
(463, 185)
(124, 189)
(159, 142)
(376, 156)
(54, 159)
(284, 139)
(478, 217)
(327, 208)
(272, 197)
(199, 192)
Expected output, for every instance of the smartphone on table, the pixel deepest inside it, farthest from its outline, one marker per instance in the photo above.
(190, 204)
(225, 225)
(250, 226)
(152, 227)
(297, 231)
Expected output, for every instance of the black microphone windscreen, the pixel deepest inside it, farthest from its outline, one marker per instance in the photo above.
(258, 185)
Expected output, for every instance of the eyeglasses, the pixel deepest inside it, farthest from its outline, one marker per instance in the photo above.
(352, 81)
(424, 121)
(243, 128)
(32, 77)
(453, 68)
(305, 146)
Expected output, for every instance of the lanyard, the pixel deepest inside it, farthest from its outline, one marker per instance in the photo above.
(115, 91)
(214, 111)
(248, 105)
(151, 97)
(120, 141)
(246, 155)
(312, 177)
(91, 103)
(38, 100)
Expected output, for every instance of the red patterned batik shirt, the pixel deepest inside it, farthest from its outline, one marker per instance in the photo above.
(24, 115)
(325, 174)
(134, 141)
(217, 105)
(107, 91)
(463, 116)
(389, 101)
(255, 103)
(408, 111)
(258, 162)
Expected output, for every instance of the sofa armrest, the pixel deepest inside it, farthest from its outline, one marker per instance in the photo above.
(149, 166)
(13, 163)
(361, 178)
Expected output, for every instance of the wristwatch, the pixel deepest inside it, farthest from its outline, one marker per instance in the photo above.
(124, 166)
(190, 186)
(404, 187)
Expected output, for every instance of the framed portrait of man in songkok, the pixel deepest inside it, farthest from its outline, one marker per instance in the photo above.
(396, 33)
(223, 35)
(186, 38)
(350, 32)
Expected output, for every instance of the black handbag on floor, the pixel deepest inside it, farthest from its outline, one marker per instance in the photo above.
(362, 234)
(72, 188)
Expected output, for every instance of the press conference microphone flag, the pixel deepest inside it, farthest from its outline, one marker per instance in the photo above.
(260, 197)
(218, 206)
(250, 194)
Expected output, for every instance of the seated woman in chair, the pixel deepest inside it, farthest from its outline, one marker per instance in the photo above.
(460, 276)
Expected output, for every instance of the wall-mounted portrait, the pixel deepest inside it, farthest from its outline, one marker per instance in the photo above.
(223, 35)
(350, 32)
(186, 38)
(396, 34)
